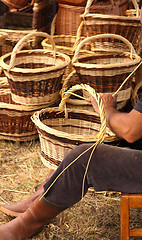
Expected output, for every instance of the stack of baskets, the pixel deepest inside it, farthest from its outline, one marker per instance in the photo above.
(105, 70)
(34, 78)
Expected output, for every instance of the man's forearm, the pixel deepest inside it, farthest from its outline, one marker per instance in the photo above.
(116, 121)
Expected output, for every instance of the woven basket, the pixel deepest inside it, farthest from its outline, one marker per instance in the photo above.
(106, 72)
(12, 38)
(58, 135)
(15, 3)
(34, 75)
(68, 17)
(15, 119)
(128, 27)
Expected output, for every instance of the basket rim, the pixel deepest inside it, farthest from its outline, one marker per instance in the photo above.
(108, 16)
(36, 70)
(87, 138)
(108, 66)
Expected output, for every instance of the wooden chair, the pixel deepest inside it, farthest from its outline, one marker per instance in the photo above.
(129, 201)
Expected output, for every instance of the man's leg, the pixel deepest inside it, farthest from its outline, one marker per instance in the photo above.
(110, 168)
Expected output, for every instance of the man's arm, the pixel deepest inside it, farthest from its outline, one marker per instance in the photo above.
(125, 125)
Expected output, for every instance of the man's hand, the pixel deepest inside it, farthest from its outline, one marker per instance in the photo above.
(109, 102)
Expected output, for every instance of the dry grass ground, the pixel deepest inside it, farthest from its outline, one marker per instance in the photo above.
(96, 217)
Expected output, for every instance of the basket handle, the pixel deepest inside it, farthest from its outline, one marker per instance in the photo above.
(99, 36)
(66, 81)
(67, 94)
(136, 8)
(23, 41)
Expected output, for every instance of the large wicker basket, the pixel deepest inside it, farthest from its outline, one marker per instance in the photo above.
(34, 75)
(128, 27)
(15, 119)
(106, 72)
(58, 135)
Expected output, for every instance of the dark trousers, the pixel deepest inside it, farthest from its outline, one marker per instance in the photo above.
(111, 168)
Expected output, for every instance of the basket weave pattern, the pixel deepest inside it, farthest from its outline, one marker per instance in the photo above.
(15, 122)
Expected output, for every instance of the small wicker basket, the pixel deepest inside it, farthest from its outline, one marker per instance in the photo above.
(58, 135)
(128, 27)
(15, 119)
(34, 75)
(106, 72)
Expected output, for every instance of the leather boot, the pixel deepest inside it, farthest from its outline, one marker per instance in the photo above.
(28, 223)
(14, 210)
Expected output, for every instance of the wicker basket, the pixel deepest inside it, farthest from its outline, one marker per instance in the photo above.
(106, 72)
(68, 17)
(12, 38)
(34, 75)
(128, 27)
(15, 3)
(58, 135)
(15, 119)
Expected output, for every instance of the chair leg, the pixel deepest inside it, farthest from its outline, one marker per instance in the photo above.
(124, 217)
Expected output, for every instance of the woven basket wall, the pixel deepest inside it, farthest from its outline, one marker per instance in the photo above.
(68, 17)
(15, 122)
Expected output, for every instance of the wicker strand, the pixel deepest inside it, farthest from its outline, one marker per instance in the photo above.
(126, 79)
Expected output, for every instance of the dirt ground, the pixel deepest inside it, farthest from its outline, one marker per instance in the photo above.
(96, 217)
